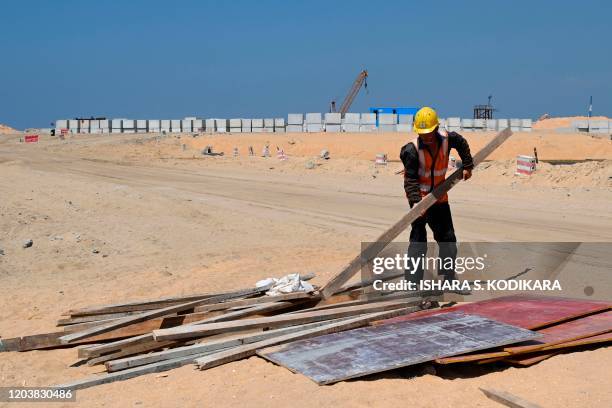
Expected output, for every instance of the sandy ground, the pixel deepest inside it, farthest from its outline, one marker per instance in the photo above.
(165, 220)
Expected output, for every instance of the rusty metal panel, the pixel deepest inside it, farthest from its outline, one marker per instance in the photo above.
(588, 326)
(355, 353)
(558, 334)
(527, 311)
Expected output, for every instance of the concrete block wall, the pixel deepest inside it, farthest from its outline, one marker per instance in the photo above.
(153, 125)
(246, 125)
(221, 125)
(309, 122)
(186, 125)
(279, 125)
(367, 122)
(350, 122)
(175, 125)
(314, 122)
(295, 122)
(209, 126)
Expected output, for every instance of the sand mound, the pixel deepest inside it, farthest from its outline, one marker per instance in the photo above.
(6, 129)
(586, 174)
(556, 123)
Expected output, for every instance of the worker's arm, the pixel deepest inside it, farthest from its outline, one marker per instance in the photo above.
(410, 159)
(458, 142)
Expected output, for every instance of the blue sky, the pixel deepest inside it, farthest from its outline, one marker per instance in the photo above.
(160, 59)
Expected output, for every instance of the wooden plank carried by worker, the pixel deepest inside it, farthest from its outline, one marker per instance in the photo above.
(337, 357)
(273, 321)
(374, 248)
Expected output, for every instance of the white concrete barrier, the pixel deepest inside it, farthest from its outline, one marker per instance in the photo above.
(295, 119)
(235, 125)
(387, 119)
(387, 128)
(279, 124)
(209, 126)
(515, 125)
(164, 125)
(186, 125)
(175, 125)
(246, 125)
(153, 125)
(333, 118)
(221, 125)
(314, 127)
(314, 118)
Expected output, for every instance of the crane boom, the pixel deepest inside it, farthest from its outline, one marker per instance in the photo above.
(350, 97)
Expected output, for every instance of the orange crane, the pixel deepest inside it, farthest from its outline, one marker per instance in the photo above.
(362, 79)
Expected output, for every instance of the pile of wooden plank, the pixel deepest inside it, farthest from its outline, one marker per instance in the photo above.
(136, 338)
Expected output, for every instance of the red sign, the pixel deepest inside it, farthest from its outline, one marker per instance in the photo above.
(31, 138)
(64, 131)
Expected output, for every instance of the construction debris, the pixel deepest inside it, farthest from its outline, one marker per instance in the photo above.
(386, 332)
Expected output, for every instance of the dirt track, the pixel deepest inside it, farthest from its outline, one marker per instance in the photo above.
(166, 223)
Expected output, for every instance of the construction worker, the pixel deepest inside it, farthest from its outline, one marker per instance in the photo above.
(425, 162)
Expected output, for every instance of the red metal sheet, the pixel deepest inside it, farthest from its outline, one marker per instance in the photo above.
(560, 334)
(526, 311)
(587, 326)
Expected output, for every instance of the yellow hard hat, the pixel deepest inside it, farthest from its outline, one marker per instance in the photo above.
(425, 120)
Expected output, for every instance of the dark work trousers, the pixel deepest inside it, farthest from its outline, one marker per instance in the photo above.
(439, 219)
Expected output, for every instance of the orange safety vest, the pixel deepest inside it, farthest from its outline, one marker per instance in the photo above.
(432, 170)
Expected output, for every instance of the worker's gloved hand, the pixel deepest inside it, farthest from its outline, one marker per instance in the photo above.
(467, 173)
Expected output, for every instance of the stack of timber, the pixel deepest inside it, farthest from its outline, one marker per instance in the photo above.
(136, 338)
